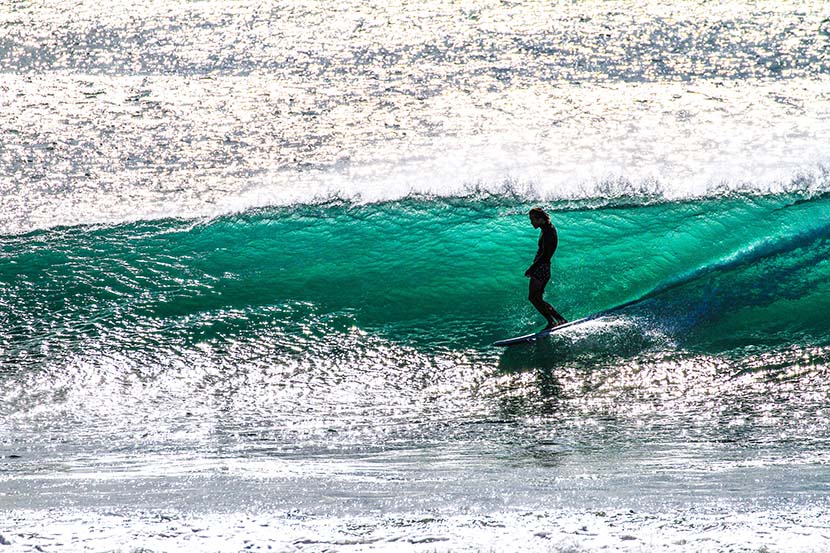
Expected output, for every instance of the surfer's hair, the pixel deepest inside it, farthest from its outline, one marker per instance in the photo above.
(539, 212)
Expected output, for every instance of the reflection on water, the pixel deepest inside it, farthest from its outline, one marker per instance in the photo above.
(151, 398)
(209, 107)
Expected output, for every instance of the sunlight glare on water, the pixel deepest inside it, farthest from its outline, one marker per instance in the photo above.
(211, 107)
(255, 254)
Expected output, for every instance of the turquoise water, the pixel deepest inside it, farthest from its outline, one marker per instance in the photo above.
(254, 255)
(711, 273)
(320, 363)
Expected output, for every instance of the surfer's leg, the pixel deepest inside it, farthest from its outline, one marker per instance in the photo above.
(537, 288)
(560, 320)
(551, 315)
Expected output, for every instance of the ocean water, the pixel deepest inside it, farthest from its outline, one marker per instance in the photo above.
(253, 256)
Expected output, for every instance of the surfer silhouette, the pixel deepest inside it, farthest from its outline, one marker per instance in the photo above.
(539, 271)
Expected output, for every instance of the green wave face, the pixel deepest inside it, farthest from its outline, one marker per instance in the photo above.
(714, 273)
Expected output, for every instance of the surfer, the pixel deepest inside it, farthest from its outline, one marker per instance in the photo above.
(539, 271)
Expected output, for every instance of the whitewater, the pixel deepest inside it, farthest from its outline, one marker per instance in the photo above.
(254, 255)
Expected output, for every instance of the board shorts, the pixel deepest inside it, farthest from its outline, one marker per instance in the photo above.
(541, 273)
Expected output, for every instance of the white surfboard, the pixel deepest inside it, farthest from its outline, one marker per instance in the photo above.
(527, 338)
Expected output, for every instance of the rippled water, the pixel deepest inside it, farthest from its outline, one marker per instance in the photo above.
(253, 257)
(114, 110)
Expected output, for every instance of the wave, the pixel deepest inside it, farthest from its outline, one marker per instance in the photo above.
(479, 176)
(716, 272)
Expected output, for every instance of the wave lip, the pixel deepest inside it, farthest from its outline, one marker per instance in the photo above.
(183, 150)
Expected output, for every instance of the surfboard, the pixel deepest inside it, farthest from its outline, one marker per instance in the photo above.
(527, 338)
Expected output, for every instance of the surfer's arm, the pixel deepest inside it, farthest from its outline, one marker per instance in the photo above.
(548, 246)
(533, 265)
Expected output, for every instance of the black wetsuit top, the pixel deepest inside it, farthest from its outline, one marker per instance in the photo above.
(548, 241)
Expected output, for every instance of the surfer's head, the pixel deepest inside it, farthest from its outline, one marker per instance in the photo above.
(539, 217)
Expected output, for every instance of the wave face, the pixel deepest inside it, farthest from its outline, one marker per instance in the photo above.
(254, 255)
(715, 273)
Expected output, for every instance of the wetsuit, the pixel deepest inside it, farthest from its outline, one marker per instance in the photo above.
(548, 241)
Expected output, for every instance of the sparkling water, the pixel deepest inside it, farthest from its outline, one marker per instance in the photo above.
(254, 256)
